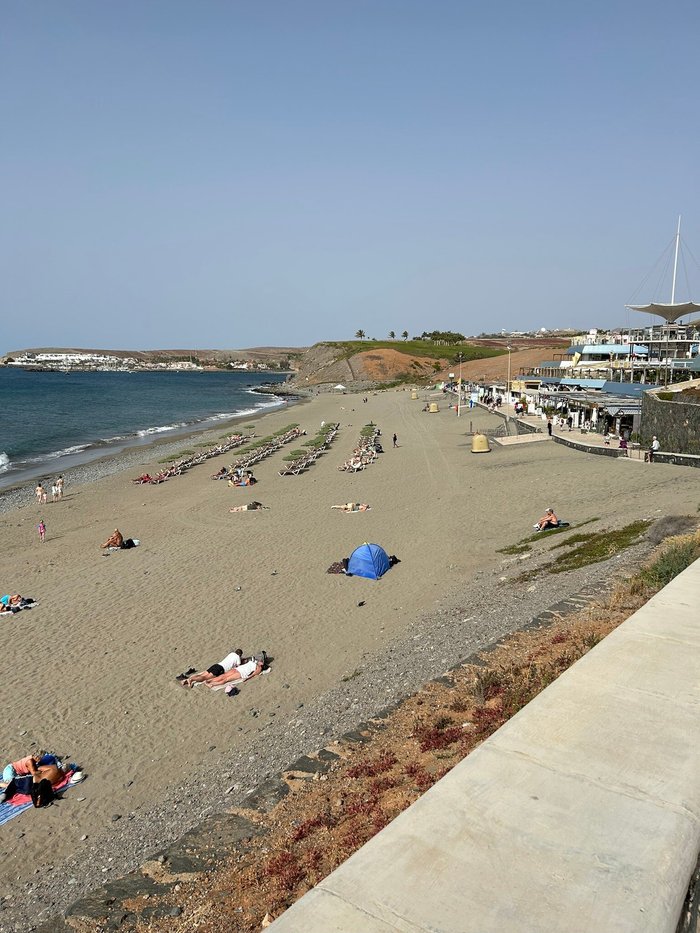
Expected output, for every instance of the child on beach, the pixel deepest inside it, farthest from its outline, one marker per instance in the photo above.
(41, 528)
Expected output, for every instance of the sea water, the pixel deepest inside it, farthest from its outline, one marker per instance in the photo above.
(52, 420)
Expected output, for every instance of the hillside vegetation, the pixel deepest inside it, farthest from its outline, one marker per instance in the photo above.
(389, 362)
(419, 348)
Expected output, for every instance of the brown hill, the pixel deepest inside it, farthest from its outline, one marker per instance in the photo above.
(329, 364)
(495, 369)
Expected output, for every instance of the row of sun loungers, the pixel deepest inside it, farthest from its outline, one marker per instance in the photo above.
(318, 445)
(274, 443)
(366, 452)
(176, 469)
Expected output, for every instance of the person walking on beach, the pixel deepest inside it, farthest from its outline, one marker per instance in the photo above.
(41, 528)
(59, 485)
(54, 492)
(394, 440)
(40, 494)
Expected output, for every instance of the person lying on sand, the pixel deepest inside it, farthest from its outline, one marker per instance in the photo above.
(234, 659)
(221, 473)
(244, 671)
(14, 602)
(250, 507)
(37, 777)
(353, 507)
(548, 520)
(247, 480)
(116, 539)
(140, 480)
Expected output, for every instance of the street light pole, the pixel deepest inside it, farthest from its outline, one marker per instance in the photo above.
(508, 385)
(459, 387)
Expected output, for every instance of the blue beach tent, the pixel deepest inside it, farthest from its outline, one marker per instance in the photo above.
(368, 560)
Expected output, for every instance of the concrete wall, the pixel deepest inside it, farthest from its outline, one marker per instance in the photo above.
(589, 448)
(580, 815)
(676, 424)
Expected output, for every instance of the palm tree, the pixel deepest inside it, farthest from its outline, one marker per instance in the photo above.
(360, 335)
(405, 335)
(392, 335)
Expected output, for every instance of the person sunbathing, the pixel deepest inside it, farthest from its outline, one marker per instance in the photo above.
(116, 539)
(353, 507)
(12, 602)
(146, 478)
(247, 480)
(234, 659)
(221, 473)
(37, 777)
(244, 671)
(250, 507)
(548, 520)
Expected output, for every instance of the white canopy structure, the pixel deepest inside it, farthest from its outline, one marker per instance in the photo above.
(339, 386)
(673, 310)
(669, 312)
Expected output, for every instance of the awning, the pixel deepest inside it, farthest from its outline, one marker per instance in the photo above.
(669, 312)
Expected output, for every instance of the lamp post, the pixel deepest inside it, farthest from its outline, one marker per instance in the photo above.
(508, 348)
(459, 386)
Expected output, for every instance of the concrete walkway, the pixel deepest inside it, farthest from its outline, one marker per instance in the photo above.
(580, 815)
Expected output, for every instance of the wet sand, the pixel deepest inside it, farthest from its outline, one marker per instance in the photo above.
(90, 672)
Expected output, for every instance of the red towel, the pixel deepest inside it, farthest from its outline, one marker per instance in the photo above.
(19, 800)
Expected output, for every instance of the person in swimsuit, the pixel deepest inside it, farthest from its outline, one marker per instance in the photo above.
(232, 660)
(250, 507)
(352, 507)
(244, 671)
(116, 539)
(548, 520)
(13, 602)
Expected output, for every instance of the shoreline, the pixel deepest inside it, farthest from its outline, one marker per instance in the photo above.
(130, 456)
(117, 629)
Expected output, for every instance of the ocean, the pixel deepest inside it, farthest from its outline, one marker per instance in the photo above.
(52, 421)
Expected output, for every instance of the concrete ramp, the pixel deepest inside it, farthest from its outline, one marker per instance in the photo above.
(580, 815)
(512, 439)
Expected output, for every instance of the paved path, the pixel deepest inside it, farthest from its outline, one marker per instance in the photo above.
(581, 814)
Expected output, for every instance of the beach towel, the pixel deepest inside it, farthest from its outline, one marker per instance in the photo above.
(21, 802)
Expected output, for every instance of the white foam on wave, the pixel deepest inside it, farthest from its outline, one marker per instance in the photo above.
(55, 454)
(160, 429)
(4, 462)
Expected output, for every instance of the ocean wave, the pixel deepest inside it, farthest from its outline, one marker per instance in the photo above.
(4, 462)
(160, 429)
(52, 455)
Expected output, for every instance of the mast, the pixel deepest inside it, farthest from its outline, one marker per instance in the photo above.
(675, 262)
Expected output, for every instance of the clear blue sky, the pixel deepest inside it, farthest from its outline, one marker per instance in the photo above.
(229, 174)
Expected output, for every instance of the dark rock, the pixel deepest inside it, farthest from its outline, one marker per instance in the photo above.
(266, 796)
(217, 836)
(309, 765)
(100, 904)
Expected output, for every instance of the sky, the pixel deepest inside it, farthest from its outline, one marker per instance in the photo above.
(220, 174)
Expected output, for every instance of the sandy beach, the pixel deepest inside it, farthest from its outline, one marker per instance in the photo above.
(90, 671)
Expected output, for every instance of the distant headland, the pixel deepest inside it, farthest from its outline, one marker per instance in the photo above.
(54, 359)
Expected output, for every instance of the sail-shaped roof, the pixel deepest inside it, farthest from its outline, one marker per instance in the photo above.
(669, 312)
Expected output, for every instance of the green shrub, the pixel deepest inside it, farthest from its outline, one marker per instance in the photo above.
(673, 560)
